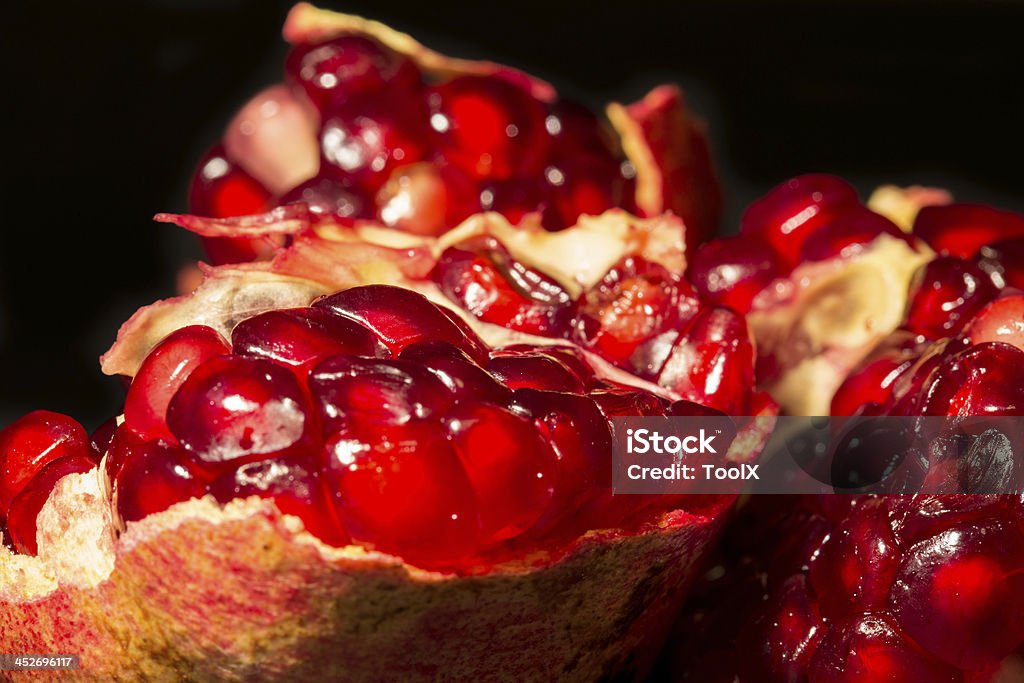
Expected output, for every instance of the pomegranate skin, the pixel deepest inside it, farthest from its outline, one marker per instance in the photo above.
(236, 595)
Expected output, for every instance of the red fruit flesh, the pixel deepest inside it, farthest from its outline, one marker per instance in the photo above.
(790, 213)
(584, 184)
(427, 199)
(961, 230)
(846, 229)
(301, 336)
(233, 407)
(348, 66)
(221, 189)
(24, 508)
(153, 477)
(463, 378)
(330, 198)
(732, 271)
(1000, 321)
(30, 444)
(945, 294)
(166, 368)
(525, 369)
(483, 278)
(489, 127)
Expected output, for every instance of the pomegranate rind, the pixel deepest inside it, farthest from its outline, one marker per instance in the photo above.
(669, 148)
(243, 593)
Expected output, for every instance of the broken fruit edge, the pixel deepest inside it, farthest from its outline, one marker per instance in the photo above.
(242, 593)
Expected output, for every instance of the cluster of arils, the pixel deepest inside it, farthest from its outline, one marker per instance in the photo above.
(375, 417)
(960, 350)
(400, 149)
(639, 316)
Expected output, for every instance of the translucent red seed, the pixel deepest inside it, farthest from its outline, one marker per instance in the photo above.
(845, 230)
(427, 199)
(732, 271)
(233, 407)
(165, 369)
(464, 378)
(25, 507)
(301, 336)
(945, 294)
(332, 199)
(489, 127)
(31, 443)
(1000, 321)
(533, 370)
(221, 189)
(961, 230)
(154, 476)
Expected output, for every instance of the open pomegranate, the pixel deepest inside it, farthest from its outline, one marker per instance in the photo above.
(371, 126)
(923, 587)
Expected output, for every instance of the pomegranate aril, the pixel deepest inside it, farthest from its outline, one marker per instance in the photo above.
(961, 230)
(732, 271)
(400, 317)
(24, 508)
(30, 443)
(300, 336)
(846, 229)
(870, 648)
(489, 127)
(233, 407)
(873, 380)
(515, 199)
(221, 189)
(984, 379)
(464, 378)
(1004, 262)
(510, 467)
(99, 440)
(713, 363)
(484, 279)
(779, 643)
(402, 490)
(624, 401)
(1000, 321)
(945, 294)
(295, 486)
(633, 303)
(787, 215)
(163, 371)
(519, 369)
(331, 199)
(366, 137)
(580, 437)
(156, 476)
(427, 199)
(575, 130)
(354, 391)
(347, 66)
(960, 593)
(582, 185)
(855, 567)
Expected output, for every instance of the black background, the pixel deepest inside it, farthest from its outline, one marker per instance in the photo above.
(108, 104)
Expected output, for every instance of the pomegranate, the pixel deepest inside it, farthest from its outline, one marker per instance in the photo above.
(371, 126)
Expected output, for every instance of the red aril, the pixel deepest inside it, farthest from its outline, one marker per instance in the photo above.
(579, 185)
(733, 270)
(332, 199)
(301, 336)
(1000, 321)
(847, 228)
(24, 508)
(165, 369)
(426, 199)
(154, 476)
(464, 378)
(534, 370)
(30, 443)
(961, 230)
(221, 189)
(944, 294)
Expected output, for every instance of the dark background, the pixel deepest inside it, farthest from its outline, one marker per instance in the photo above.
(108, 104)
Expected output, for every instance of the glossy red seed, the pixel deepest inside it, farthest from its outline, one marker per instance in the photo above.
(232, 407)
(510, 467)
(403, 491)
(794, 210)
(579, 184)
(984, 379)
(779, 643)
(1000, 321)
(221, 189)
(515, 199)
(519, 369)
(99, 440)
(580, 437)
(856, 566)
(1004, 262)
(489, 127)
(732, 271)
(30, 443)
(844, 231)
(301, 336)
(623, 401)
(713, 363)
(944, 294)
(331, 199)
(294, 484)
(870, 649)
(400, 317)
(354, 391)
(156, 476)
(484, 279)
(366, 137)
(872, 381)
(347, 66)
(960, 593)
(25, 507)
(465, 379)
(163, 371)
(122, 444)
(575, 130)
(962, 229)
(632, 304)
(427, 199)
